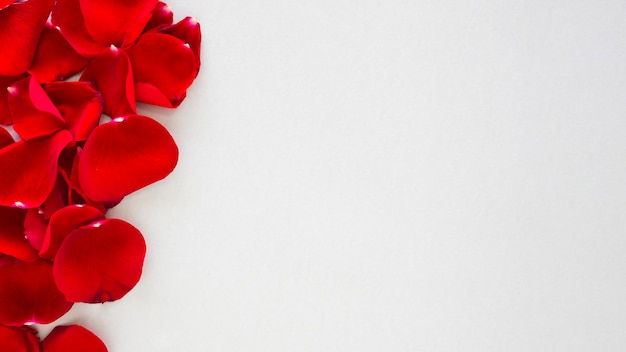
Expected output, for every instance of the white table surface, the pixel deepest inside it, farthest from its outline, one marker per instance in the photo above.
(388, 176)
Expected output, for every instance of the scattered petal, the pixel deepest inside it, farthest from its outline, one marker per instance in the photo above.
(18, 339)
(68, 16)
(29, 170)
(5, 83)
(33, 113)
(79, 104)
(29, 294)
(62, 223)
(187, 30)
(12, 239)
(111, 74)
(109, 21)
(35, 226)
(100, 262)
(72, 338)
(55, 58)
(125, 155)
(163, 68)
(20, 26)
(162, 16)
(5, 138)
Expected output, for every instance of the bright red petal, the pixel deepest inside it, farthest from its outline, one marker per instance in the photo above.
(111, 74)
(187, 30)
(68, 16)
(33, 113)
(12, 239)
(100, 262)
(5, 138)
(55, 58)
(28, 170)
(72, 338)
(18, 339)
(5, 3)
(162, 16)
(79, 104)
(62, 223)
(125, 155)
(29, 294)
(5, 113)
(163, 67)
(20, 26)
(109, 21)
(35, 228)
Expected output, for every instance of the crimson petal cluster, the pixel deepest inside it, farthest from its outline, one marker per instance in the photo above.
(74, 145)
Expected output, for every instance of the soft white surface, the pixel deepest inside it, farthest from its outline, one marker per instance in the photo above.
(388, 176)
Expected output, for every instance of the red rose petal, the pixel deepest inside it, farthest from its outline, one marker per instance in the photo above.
(187, 30)
(55, 59)
(35, 228)
(79, 104)
(18, 339)
(125, 155)
(33, 113)
(162, 16)
(163, 68)
(72, 338)
(109, 21)
(100, 262)
(12, 240)
(29, 294)
(68, 16)
(112, 75)
(5, 138)
(5, 113)
(20, 26)
(29, 170)
(62, 223)
(5, 3)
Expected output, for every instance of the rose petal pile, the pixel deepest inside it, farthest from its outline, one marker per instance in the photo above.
(76, 148)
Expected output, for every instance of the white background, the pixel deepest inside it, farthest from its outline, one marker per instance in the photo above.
(388, 176)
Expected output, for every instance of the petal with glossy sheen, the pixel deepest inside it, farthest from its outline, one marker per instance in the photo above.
(111, 74)
(20, 26)
(62, 223)
(5, 3)
(55, 59)
(5, 83)
(187, 30)
(125, 155)
(109, 21)
(18, 339)
(68, 16)
(33, 113)
(79, 104)
(29, 294)
(163, 68)
(35, 226)
(12, 240)
(100, 262)
(72, 338)
(162, 16)
(28, 170)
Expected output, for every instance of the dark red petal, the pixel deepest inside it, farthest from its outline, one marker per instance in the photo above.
(162, 16)
(35, 226)
(55, 59)
(28, 170)
(100, 262)
(5, 3)
(187, 30)
(29, 294)
(163, 67)
(5, 138)
(125, 155)
(20, 26)
(68, 16)
(33, 113)
(57, 199)
(79, 104)
(111, 74)
(12, 239)
(18, 339)
(72, 338)
(62, 223)
(5, 113)
(109, 21)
